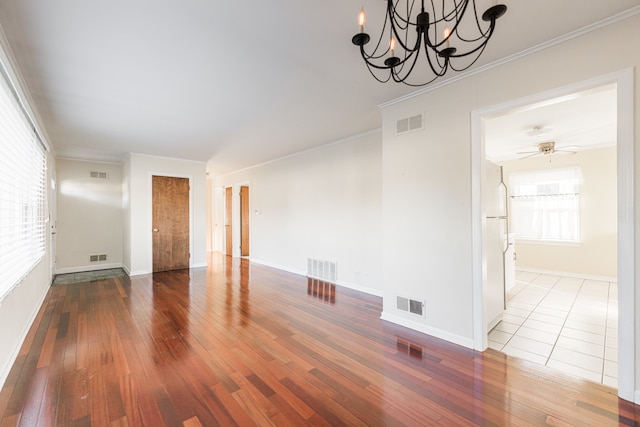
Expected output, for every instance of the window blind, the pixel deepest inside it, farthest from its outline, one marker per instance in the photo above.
(22, 193)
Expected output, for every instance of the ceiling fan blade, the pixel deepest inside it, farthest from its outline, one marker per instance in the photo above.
(530, 155)
(527, 152)
(568, 147)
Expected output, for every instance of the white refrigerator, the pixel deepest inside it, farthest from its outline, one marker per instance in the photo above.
(499, 260)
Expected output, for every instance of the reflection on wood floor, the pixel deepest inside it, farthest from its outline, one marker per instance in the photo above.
(242, 344)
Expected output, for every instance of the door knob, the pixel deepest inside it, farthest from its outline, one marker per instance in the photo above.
(155, 230)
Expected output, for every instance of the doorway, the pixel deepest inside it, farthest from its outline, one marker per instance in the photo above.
(561, 176)
(244, 220)
(170, 215)
(53, 223)
(228, 221)
(623, 82)
(236, 221)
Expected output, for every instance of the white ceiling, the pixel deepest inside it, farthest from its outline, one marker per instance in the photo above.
(233, 83)
(582, 121)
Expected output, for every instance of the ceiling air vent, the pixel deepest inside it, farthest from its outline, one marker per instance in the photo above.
(98, 175)
(409, 124)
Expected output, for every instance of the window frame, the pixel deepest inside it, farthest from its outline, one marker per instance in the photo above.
(23, 191)
(554, 212)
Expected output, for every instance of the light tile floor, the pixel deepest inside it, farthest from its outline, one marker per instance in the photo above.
(566, 323)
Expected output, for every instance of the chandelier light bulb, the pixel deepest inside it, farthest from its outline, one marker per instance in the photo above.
(392, 45)
(445, 34)
(362, 18)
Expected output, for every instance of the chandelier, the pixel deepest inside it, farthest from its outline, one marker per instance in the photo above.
(450, 34)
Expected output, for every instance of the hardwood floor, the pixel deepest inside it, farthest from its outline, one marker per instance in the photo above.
(241, 344)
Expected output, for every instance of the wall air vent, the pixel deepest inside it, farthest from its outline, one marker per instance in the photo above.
(98, 175)
(323, 270)
(409, 124)
(410, 305)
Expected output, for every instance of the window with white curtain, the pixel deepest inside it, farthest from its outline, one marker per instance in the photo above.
(22, 193)
(545, 205)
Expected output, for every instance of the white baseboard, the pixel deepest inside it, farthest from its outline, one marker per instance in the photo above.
(137, 273)
(567, 274)
(91, 267)
(4, 373)
(199, 265)
(364, 289)
(279, 267)
(425, 329)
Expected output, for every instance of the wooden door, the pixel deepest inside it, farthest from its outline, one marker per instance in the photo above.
(227, 226)
(170, 199)
(244, 221)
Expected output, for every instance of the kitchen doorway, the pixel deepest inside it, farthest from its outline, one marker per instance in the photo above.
(559, 165)
(623, 82)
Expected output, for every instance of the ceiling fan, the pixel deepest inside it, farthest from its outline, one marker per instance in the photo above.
(548, 147)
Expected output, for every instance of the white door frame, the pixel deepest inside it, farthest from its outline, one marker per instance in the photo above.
(626, 222)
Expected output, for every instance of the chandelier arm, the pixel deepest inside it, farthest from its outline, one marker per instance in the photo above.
(420, 84)
(397, 17)
(373, 55)
(458, 10)
(394, 31)
(479, 47)
(442, 69)
(404, 62)
(459, 16)
(401, 65)
(375, 76)
(483, 34)
(404, 43)
(435, 74)
(472, 62)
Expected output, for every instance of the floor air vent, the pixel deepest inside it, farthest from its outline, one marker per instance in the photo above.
(97, 258)
(410, 305)
(323, 270)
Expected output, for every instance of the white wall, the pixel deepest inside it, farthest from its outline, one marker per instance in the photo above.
(90, 216)
(596, 255)
(427, 179)
(322, 204)
(139, 170)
